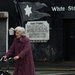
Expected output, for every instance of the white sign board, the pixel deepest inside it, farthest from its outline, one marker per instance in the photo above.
(37, 30)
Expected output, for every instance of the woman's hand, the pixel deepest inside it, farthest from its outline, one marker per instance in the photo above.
(4, 57)
(16, 57)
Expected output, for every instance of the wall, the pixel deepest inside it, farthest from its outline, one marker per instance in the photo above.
(52, 50)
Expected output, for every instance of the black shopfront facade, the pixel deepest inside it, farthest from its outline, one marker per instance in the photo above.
(61, 44)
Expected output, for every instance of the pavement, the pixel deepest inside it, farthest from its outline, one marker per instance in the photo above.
(54, 73)
(50, 72)
(63, 68)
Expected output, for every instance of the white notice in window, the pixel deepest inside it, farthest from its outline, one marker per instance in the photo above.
(37, 30)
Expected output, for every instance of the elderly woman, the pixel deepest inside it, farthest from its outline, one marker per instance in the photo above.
(23, 54)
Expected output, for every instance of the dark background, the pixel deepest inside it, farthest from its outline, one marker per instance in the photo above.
(60, 47)
(2, 36)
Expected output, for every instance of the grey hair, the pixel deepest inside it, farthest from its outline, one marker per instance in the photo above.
(21, 29)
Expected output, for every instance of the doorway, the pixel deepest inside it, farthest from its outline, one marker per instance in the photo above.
(3, 33)
(69, 39)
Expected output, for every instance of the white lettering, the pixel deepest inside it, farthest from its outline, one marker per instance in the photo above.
(71, 8)
(58, 8)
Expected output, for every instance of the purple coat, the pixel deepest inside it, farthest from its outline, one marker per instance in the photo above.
(21, 48)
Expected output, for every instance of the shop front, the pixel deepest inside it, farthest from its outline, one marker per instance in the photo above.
(50, 25)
